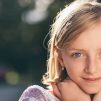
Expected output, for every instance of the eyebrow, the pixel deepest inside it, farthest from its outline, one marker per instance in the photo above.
(74, 49)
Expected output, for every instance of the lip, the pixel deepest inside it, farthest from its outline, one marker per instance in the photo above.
(92, 79)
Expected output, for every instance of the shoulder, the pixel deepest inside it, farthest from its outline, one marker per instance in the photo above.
(37, 93)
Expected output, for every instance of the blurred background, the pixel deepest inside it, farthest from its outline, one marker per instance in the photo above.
(24, 25)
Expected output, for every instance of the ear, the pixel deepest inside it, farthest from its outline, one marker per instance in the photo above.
(59, 57)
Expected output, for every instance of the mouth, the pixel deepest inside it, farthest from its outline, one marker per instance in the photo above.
(92, 80)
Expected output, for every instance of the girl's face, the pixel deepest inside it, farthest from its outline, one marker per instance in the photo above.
(82, 60)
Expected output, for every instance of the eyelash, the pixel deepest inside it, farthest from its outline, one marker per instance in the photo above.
(81, 55)
(77, 55)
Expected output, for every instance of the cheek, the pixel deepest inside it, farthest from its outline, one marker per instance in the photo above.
(74, 69)
(74, 73)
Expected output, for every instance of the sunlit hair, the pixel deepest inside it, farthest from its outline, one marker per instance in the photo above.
(69, 24)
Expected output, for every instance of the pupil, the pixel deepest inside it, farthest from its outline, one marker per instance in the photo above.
(77, 54)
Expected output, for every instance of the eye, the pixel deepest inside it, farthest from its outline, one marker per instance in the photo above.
(76, 54)
(99, 54)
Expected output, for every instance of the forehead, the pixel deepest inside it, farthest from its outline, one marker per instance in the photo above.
(90, 38)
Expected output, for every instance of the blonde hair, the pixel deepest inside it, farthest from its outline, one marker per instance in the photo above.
(68, 25)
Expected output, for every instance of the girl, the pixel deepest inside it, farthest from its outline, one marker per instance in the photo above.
(74, 64)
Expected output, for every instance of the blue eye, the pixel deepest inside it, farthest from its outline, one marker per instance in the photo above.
(76, 54)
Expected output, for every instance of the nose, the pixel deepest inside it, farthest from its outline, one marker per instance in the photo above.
(91, 66)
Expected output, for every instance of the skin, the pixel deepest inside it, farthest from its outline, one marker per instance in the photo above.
(82, 60)
(64, 91)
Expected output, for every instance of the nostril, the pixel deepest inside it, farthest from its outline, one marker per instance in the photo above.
(90, 69)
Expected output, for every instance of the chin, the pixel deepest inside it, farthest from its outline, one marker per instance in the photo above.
(91, 91)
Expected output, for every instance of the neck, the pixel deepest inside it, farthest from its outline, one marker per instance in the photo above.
(91, 96)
